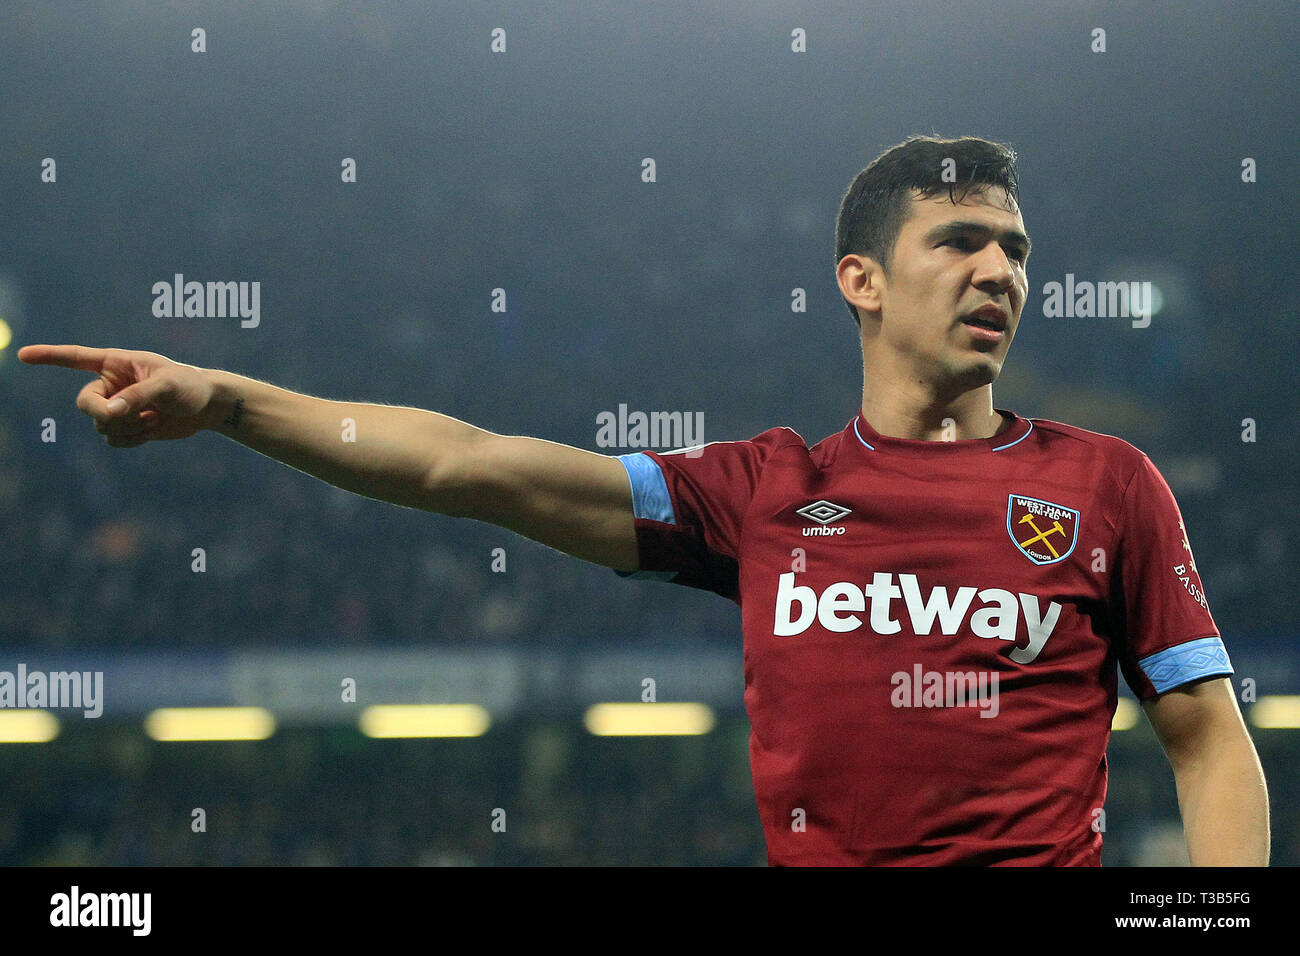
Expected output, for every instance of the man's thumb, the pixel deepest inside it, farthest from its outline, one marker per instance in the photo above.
(136, 397)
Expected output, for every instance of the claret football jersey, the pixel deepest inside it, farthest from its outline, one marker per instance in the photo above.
(932, 629)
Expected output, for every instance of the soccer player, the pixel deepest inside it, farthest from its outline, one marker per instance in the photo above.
(935, 599)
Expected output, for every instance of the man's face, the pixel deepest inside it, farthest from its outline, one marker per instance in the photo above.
(949, 261)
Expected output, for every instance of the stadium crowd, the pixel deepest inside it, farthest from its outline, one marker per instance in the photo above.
(109, 796)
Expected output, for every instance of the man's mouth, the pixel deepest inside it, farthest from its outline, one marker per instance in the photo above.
(988, 317)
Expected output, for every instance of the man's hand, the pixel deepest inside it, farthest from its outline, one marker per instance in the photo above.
(138, 397)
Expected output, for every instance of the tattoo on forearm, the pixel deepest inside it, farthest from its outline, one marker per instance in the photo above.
(233, 419)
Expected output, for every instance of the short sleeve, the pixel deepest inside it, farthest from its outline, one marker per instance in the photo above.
(689, 507)
(1169, 637)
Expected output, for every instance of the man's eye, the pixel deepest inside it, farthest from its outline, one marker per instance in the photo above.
(961, 242)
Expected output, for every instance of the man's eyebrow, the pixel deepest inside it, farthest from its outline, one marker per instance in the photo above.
(960, 227)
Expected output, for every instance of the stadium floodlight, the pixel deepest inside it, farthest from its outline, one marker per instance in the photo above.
(171, 724)
(425, 720)
(27, 726)
(643, 720)
(1126, 715)
(1276, 712)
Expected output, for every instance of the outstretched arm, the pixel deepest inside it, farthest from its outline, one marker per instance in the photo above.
(567, 498)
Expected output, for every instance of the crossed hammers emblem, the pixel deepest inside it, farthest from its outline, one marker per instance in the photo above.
(1042, 535)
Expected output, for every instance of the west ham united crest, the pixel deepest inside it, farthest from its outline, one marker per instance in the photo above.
(1044, 532)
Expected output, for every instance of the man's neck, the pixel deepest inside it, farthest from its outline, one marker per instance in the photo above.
(917, 413)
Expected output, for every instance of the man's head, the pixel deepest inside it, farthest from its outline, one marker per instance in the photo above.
(927, 234)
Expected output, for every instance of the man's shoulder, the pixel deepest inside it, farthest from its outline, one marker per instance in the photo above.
(782, 435)
(1112, 447)
(756, 450)
(776, 438)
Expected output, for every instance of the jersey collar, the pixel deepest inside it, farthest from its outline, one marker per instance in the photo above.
(861, 433)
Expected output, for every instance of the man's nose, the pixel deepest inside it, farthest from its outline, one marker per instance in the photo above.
(994, 272)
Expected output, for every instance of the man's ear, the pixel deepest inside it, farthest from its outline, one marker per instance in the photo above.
(861, 281)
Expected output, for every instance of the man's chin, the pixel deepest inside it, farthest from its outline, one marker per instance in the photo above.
(983, 370)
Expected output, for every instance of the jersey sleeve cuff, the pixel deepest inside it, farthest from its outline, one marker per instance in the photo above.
(650, 500)
(1182, 663)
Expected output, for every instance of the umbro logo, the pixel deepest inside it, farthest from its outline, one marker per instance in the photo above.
(823, 512)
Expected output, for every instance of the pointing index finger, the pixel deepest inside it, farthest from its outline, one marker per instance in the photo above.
(67, 356)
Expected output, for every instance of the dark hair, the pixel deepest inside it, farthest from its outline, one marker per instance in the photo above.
(878, 201)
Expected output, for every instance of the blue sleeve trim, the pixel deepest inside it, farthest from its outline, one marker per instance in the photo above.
(1175, 666)
(650, 498)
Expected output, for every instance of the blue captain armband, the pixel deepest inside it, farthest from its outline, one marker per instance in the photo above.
(1177, 665)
